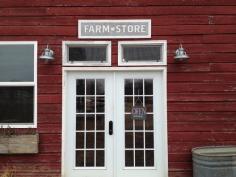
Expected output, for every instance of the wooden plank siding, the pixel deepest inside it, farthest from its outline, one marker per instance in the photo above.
(201, 91)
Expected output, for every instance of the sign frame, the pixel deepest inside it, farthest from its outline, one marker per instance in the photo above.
(81, 36)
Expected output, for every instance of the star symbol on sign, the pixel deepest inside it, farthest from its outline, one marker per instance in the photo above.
(112, 28)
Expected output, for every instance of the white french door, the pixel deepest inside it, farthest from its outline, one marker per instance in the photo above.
(101, 138)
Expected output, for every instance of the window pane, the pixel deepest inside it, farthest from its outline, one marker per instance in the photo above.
(149, 158)
(80, 122)
(100, 158)
(129, 158)
(80, 104)
(90, 122)
(79, 158)
(128, 86)
(90, 140)
(148, 86)
(89, 158)
(80, 85)
(100, 125)
(16, 104)
(129, 140)
(90, 87)
(100, 140)
(142, 53)
(139, 140)
(139, 158)
(100, 90)
(138, 86)
(128, 122)
(87, 53)
(16, 63)
(80, 140)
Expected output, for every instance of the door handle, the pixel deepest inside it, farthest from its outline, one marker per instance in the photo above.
(110, 127)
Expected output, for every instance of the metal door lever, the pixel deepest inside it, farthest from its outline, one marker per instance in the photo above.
(110, 127)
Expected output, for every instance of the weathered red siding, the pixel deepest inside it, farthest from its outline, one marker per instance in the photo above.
(201, 92)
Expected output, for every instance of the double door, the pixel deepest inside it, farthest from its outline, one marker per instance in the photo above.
(102, 136)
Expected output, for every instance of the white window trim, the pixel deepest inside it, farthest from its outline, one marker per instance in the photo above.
(143, 63)
(65, 45)
(33, 83)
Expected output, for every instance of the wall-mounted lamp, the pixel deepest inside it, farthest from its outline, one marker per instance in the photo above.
(47, 54)
(180, 54)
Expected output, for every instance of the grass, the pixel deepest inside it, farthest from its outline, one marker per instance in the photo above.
(8, 172)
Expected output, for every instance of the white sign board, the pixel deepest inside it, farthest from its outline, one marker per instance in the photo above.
(91, 29)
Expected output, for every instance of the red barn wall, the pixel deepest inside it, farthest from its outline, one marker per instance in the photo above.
(201, 92)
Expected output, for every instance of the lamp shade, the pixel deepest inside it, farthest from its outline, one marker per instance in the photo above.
(180, 54)
(47, 54)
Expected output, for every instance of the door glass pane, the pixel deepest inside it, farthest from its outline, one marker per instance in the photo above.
(100, 158)
(128, 103)
(150, 158)
(17, 63)
(80, 87)
(80, 104)
(100, 106)
(79, 158)
(148, 87)
(149, 122)
(149, 140)
(90, 86)
(100, 124)
(100, 87)
(129, 158)
(138, 86)
(90, 123)
(139, 134)
(80, 140)
(16, 104)
(129, 140)
(139, 140)
(100, 140)
(90, 140)
(139, 158)
(90, 104)
(128, 122)
(89, 158)
(128, 86)
(80, 122)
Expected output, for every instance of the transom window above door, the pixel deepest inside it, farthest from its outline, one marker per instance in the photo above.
(87, 53)
(145, 53)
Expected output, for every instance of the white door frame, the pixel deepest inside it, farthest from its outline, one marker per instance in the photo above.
(162, 70)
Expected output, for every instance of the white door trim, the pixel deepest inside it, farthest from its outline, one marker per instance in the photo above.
(163, 70)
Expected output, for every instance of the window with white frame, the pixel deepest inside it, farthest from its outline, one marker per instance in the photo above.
(87, 53)
(18, 84)
(142, 53)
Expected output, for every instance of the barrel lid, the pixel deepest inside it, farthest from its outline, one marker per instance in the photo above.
(215, 151)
